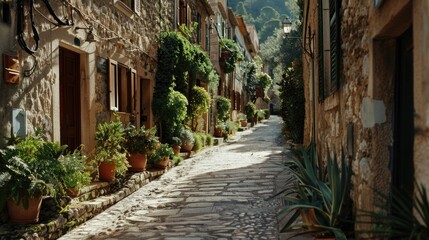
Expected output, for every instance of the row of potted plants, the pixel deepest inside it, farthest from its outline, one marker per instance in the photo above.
(34, 168)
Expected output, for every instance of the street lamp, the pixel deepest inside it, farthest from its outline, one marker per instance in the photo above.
(287, 25)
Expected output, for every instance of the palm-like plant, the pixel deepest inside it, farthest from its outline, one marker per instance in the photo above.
(400, 216)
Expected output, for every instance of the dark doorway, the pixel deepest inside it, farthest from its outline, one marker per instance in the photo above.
(70, 115)
(403, 123)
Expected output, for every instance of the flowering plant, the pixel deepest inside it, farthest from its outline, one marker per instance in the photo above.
(163, 150)
(140, 140)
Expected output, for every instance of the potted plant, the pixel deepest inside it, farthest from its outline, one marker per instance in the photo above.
(21, 189)
(219, 129)
(187, 139)
(230, 55)
(162, 156)
(176, 144)
(109, 154)
(29, 170)
(250, 110)
(243, 119)
(76, 173)
(139, 142)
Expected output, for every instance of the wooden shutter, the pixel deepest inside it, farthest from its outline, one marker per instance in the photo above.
(334, 16)
(320, 52)
(133, 91)
(137, 9)
(113, 84)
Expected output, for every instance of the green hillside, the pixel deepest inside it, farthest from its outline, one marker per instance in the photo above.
(266, 15)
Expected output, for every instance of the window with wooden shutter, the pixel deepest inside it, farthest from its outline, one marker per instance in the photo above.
(137, 7)
(113, 82)
(328, 47)
(334, 17)
(122, 82)
(128, 7)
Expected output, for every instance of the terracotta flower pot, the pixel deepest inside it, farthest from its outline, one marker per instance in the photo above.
(176, 150)
(218, 132)
(163, 163)
(137, 162)
(106, 171)
(187, 147)
(19, 215)
(243, 123)
(72, 192)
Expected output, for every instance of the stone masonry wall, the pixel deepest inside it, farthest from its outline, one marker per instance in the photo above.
(38, 93)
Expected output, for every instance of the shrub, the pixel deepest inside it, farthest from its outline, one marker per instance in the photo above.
(223, 106)
(186, 136)
(171, 113)
(76, 173)
(260, 114)
(267, 113)
(199, 103)
(293, 102)
(199, 142)
(209, 140)
(250, 110)
(232, 54)
(109, 145)
(140, 140)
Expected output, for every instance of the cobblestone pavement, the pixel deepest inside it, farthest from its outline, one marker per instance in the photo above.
(221, 193)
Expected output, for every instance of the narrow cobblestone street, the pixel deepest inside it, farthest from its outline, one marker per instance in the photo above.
(221, 193)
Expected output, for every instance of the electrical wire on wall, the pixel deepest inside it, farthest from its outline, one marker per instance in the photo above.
(28, 5)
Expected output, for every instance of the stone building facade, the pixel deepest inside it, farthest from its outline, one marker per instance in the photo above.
(367, 90)
(102, 61)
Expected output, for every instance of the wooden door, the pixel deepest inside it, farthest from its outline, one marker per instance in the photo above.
(70, 114)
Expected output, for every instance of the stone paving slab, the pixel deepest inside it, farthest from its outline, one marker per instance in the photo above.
(222, 193)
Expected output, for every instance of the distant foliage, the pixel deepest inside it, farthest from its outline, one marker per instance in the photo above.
(266, 15)
(293, 102)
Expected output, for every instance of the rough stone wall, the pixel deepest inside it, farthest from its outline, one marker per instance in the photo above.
(37, 93)
(341, 112)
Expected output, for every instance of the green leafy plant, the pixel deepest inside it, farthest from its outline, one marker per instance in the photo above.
(200, 141)
(260, 114)
(223, 107)
(400, 215)
(231, 54)
(176, 141)
(293, 102)
(323, 193)
(140, 140)
(231, 127)
(171, 114)
(186, 137)
(109, 145)
(18, 181)
(199, 103)
(76, 173)
(162, 151)
(250, 110)
(241, 116)
(31, 167)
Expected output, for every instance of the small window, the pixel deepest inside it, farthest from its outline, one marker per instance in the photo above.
(5, 13)
(199, 29)
(128, 7)
(183, 18)
(328, 47)
(122, 82)
(208, 29)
